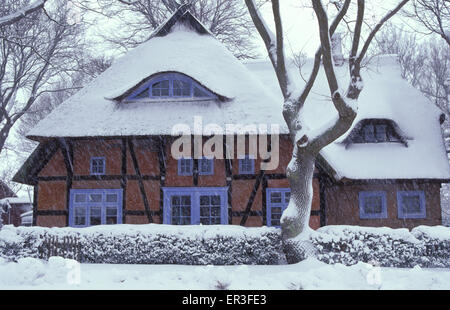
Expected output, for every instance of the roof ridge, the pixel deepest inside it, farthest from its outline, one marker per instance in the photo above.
(181, 13)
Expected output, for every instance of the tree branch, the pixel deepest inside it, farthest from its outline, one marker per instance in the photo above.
(21, 13)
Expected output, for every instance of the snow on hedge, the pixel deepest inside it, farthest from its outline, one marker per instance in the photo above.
(146, 244)
(226, 245)
(348, 245)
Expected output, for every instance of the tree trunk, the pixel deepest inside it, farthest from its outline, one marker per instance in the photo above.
(295, 219)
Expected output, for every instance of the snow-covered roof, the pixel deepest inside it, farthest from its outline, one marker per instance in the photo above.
(92, 112)
(254, 98)
(16, 200)
(386, 95)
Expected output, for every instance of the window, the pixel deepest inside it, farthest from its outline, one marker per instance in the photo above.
(210, 209)
(95, 207)
(196, 205)
(375, 131)
(98, 165)
(206, 166)
(277, 201)
(411, 205)
(185, 166)
(169, 85)
(246, 165)
(372, 205)
(181, 209)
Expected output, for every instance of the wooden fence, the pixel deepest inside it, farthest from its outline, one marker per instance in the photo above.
(67, 247)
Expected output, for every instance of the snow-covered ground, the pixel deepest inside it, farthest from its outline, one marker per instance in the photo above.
(310, 274)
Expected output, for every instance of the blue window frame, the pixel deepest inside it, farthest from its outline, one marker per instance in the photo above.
(277, 201)
(185, 166)
(195, 205)
(98, 165)
(372, 205)
(171, 85)
(246, 165)
(206, 166)
(411, 205)
(90, 207)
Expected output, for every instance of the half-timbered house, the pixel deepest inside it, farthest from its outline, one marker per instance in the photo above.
(105, 155)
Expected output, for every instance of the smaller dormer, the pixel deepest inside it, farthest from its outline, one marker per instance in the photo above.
(375, 131)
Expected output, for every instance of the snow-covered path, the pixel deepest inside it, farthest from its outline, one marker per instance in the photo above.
(310, 274)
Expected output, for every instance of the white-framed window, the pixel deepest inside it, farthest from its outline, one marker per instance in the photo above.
(411, 205)
(195, 205)
(372, 205)
(98, 165)
(90, 207)
(277, 200)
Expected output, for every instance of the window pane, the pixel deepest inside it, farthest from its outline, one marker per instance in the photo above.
(111, 215)
(381, 133)
(80, 216)
(185, 221)
(287, 197)
(275, 223)
(181, 88)
(373, 205)
(215, 200)
(111, 197)
(142, 95)
(392, 136)
(176, 200)
(199, 93)
(95, 215)
(277, 210)
(185, 211)
(246, 165)
(215, 221)
(80, 198)
(204, 200)
(204, 211)
(369, 133)
(215, 211)
(276, 216)
(206, 165)
(160, 89)
(95, 197)
(176, 211)
(205, 221)
(275, 197)
(186, 200)
(411, 204)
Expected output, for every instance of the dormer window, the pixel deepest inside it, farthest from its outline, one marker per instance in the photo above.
(375, 131)
(170, 85)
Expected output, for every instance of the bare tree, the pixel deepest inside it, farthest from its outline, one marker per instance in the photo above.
(228, 20)
(89, 68)
(434, 15)
(16, 15)
(308, 144)
(34, 52)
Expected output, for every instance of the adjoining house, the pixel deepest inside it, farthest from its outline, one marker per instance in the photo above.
(14, 208)
(105, 155)
(5, 191)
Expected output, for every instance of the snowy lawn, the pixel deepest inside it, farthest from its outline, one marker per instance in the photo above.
(59, 273)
